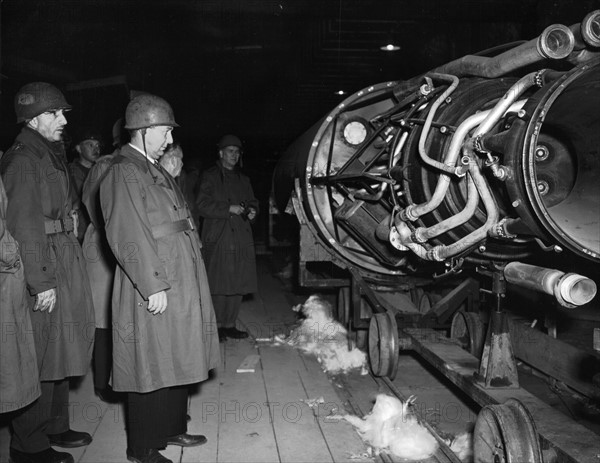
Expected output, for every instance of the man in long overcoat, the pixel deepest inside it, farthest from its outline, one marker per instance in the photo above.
(19, 379)
(40, 215)
(165, 336)
(226, 202)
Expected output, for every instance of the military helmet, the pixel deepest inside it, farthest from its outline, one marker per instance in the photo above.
(145, 110)
(87, 133)
(36, 98)
(229, 140)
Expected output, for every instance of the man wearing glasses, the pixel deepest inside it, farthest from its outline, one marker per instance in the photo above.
(42, 218)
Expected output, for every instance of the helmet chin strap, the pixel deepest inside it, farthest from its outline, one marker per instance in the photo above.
(143, 133)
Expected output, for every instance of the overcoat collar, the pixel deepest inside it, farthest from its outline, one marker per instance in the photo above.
(144, 164)
(39, 146)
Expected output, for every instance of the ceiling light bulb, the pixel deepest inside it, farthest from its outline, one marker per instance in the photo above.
(390, 47)
(340, 92)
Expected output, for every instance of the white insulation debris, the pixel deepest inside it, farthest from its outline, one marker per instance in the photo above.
(323, 336)
(462, 446)
(393, 428)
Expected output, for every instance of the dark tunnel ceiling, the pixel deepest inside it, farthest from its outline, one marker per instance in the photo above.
(264, 69)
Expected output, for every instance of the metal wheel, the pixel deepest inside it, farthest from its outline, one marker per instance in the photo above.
(383, 345)
(469, 330)
(506, 434)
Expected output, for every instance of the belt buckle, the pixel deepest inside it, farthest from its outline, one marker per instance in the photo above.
(47, 225)
(57, 226)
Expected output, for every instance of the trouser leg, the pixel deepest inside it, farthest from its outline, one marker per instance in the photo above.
(175, 416)
(227, 309)
(59, 411)
(102, 357)
(219, 304)
(154, 416)
(47, 415)
(233, 310)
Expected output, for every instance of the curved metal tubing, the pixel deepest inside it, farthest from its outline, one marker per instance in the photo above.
(570, 289)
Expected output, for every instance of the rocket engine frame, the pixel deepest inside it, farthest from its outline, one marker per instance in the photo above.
(486, 159)
(479, 164)
(452, 165)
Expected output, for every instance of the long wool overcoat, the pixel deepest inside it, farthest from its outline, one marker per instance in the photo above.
(19, 379)
(180, 345)
(100, 261)
(228, 240)
(39, 188)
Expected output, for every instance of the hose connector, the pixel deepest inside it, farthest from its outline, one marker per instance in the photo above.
(590, 29)
(539, 78)
(408, 213)
(499, 230)
(498, 171)
(556, 42)
(417, 236)
(434, 254)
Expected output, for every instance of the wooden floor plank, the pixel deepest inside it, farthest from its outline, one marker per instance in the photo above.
(204, 400)
(244, 423)
(298, 435)
(86, 412)
(341, 437)
(109, 444)
(443, 406)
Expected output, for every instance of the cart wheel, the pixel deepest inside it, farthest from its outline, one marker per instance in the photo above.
(343, 305)
(468, 329)
(383, 345)
(506, 434)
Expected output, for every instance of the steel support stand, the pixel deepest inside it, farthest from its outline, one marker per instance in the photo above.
(498, 368)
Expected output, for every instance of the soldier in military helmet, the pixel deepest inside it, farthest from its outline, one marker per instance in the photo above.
(88, 146)
(228, 206)
(169, 338)
(41, 216)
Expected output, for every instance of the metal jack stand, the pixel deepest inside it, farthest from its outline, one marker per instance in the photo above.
(498, 368)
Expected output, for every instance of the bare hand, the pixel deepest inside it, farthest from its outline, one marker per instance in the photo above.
(46, 300)
(157, 303)
(251, 214)
(236, 209)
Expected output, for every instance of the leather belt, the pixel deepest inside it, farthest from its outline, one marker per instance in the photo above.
(58, 226)
(165, 229)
